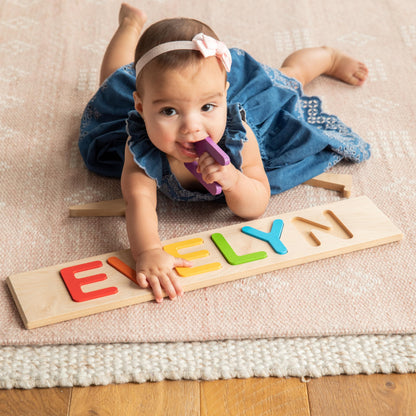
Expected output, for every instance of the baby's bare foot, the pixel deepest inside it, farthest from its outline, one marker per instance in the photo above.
(346, 68)
(132, 16)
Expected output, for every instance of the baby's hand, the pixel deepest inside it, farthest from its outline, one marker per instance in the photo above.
(156, 268)
(211, 171)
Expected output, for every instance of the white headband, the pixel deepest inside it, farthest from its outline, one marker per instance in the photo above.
(207, 45)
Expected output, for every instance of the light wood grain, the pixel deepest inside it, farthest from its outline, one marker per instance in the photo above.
(334, 181)
(254, 397)
(166, 398)
(111, 208)
(309, 235)
(377, 394)
(361, 395)
(35, 402)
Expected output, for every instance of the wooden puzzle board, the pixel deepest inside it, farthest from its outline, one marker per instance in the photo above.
(338, 228)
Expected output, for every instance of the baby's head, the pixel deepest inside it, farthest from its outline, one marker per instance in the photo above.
(181, 85)
(162, 32)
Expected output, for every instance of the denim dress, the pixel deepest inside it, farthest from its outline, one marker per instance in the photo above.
(297, 141)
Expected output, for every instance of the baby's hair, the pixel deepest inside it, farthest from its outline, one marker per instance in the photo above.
(169, 30)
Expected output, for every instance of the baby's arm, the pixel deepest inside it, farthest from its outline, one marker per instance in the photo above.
(154, 266)
(247, 192)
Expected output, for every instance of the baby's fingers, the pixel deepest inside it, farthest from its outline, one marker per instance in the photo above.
(174, 285)
(142, 280)
(144, 283)
(154, 283)
(165, 283)
(169, 284)
(179, 262)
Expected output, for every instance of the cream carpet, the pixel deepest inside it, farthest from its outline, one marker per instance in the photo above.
(50, 53)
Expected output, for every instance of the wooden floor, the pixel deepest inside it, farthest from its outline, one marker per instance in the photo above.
(378, 394)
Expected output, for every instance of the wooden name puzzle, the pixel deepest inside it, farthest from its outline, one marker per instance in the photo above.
(106, 282)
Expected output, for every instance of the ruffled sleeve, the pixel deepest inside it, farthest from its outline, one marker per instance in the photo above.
(145, 154)
(235, 134)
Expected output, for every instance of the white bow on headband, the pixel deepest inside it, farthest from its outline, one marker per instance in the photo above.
(207, 45)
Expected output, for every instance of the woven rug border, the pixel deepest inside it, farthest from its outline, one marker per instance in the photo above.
(101, 364)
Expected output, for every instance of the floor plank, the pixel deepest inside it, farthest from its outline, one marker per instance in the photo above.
(361, 395)
(149, 399)
(35, 402)
(254, 397)
(378, 394)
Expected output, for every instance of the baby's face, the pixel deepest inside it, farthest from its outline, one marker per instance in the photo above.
(183, 106)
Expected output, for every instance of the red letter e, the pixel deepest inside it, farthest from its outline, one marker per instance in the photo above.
(74, 285)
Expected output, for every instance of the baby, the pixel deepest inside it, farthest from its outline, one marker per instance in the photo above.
(186, 85)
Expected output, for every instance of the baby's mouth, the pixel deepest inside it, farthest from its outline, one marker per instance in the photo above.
(188, 149)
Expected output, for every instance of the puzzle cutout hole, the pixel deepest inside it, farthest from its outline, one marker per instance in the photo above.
(337, 229)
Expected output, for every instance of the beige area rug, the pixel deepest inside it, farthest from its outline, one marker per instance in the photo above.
(50, 53)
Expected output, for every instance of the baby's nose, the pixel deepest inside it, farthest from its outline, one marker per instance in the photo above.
(191, 124)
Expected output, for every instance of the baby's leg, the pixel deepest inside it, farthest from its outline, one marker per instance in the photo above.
(120, 50)
(307, 64)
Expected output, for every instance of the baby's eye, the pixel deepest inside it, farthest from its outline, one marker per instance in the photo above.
(207, 107)
(169, 112)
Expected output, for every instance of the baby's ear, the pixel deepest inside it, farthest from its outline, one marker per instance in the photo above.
(138, 103)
